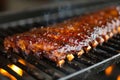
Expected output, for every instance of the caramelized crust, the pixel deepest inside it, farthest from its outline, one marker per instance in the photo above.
(63, 40)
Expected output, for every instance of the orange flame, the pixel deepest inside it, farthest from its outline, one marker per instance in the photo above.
(15, 68)
(108, 70)
(22, 61)
(5, 73)
(118, 77)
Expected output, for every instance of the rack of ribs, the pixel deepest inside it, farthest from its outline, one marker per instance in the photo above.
(71, 37)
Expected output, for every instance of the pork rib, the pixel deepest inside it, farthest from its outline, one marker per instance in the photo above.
(66, 39)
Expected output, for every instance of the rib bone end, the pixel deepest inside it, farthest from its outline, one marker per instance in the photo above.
(106, 37)
(118, 29)
(60, 63)
(70, 57)
(80, 52)
(110, 34)
(115, 31)
(100, 40)
(87, 48)
(94, 43)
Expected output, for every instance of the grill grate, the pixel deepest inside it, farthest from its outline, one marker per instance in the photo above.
(34, 69)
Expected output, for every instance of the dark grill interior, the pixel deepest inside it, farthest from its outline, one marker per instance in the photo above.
(34, 69)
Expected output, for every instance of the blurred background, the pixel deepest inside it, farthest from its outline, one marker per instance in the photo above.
(17, 5)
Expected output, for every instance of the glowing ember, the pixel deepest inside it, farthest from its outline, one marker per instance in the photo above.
(118, 78)
(5, 73)
(22, 61)
(108, 70)
(16, 69)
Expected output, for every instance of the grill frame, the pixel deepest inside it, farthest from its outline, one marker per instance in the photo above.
(83, 73)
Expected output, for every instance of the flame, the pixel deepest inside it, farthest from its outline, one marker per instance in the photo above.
(108, 70)
(22, 61)
(118, 77)
(15, 68)
(5, 73)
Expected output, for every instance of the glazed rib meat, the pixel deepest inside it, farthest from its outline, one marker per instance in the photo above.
(72, 37)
